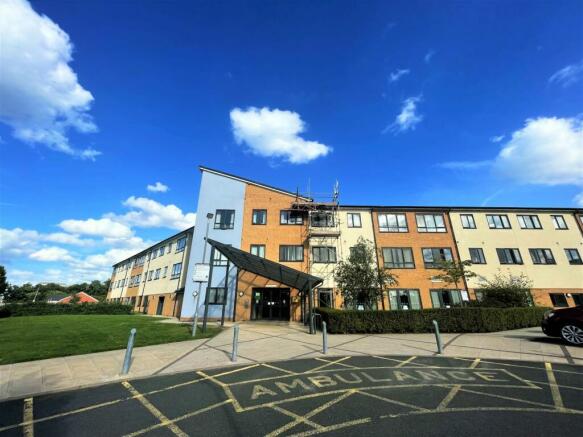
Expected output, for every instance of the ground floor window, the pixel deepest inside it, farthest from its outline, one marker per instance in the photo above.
(403, 299)
(578, 298)
(325, 298)
(146, 303)
(559, 299)
(217, 295)
(445, 298)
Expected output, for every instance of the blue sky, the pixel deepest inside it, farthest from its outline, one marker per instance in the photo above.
(405, 103)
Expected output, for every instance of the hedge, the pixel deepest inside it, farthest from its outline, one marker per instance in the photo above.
(47, 309)
(415, 321)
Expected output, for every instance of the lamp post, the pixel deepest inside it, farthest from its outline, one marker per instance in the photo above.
(209, 217)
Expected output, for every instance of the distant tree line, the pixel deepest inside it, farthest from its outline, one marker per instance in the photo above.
(40, 292)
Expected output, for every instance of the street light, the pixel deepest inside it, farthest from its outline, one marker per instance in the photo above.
(209, 217)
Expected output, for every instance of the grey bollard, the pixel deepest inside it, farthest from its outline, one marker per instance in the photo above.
(324, 339)
(127, 361)
(438, 337)
(235, 343)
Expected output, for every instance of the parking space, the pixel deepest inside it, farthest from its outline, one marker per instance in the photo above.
(375, 395)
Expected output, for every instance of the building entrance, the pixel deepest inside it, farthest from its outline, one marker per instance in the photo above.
(270, 304)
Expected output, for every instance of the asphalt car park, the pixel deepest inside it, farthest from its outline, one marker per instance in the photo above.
(348, 395)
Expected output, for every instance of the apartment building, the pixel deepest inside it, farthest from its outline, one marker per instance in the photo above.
(153, 280)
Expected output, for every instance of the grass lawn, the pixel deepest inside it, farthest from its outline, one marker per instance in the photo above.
(40, 337)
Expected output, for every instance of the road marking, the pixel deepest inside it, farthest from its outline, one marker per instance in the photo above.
(334, 427)
(557, 399)
(27, 418)
(407, 361)
(398, 361)
(179, 418)
(391, 401)
(270, 366)
(154, 411)
(226, 389)
(328, 363)
(501, 363)
(455, 389)
(293, 415)
(540, 404)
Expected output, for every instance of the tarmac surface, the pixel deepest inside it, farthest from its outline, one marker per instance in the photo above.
(349, 395)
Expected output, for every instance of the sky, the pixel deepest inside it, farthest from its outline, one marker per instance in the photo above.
(108, 108)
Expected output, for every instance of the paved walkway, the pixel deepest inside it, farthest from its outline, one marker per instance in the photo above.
(263, 342)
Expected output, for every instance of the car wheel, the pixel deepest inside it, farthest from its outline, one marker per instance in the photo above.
(572, 334)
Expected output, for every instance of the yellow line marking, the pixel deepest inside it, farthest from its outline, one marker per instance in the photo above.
(240, 369)
(226, 389)
(27, 418)
(179, 418)
(398, 361)
(557, 399)
(540, 404)
(280, 369)
(465, 409)
(164, 421)
(515, 365)
(475, 363)
(350, 366)
(391, 401)
(407, 361)
(455, 389)
(328, 363)
(295, 416)
(334, 427)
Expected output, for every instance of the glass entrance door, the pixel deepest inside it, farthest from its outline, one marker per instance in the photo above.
(270, 304)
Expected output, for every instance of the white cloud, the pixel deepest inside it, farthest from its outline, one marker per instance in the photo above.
(63, 238)
(16, 242)
(568, 75)
(408, 118)
(428, 56)
(465, 165)
(104, 227)
(497, 138)
(275, 134)
(41, 97)
(152, 214)
(394, 77)
(158, 187)
(578, 199)
(49, 254)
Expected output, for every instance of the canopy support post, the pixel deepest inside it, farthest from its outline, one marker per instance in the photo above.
(310, 307)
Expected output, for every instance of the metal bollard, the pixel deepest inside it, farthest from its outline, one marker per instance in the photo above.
(438, 338)
(235, 343)
(324, 339)
(127, 361)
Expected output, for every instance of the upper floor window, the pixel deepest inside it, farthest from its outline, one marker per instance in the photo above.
(180, 244)
(468, 221)
(165, 271)
(219, 259)
(509, 256)
(324, 254)
(432, 257)
(157, 274)
(398, 258)
(287, 217)
(529, 222)
(353, 220)
(559, 222)
(430, 223)
(322, 219)
(291, 253)
(176, 270)
(154, 253)
(393, 223)
(259, 217)
(477, 256)
(150, 273)
(224, 219)
(161, 251)
(542, 256)
(573, 256)
(498, 221)
(258, 250)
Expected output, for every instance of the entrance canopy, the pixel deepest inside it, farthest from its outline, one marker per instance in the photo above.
(266, 268)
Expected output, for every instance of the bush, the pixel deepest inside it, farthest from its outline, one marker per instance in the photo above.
(4, 312)
(415, 321)
(47, 309)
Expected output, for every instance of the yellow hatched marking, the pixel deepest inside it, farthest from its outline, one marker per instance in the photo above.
(164, 421)
(27, 418)
(328, 363)
(334, 427)
(240, 369)
(226, 389)
(293, 415)
(407, 361)
(555, 392)
(350, 366)
(391, 401)
(540, 404)
(270, 366)
(455, 389)
(398, 361)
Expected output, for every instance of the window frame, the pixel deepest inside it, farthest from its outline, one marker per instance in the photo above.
(258, 246)
(405, 264)
(288, 222)
(513, 251)
(350, 220)
(481, 256)
(545, 252)
(220, 223)
(573, 261)
(407, 292)
(330, 221)
(433, 264)
(554, 296)
(219, 260)
(532, 220)
(326, 249)
(180, 247)
(427, 229)
(253, 216)
(470, 218)
(450, 292)
(174, 275)
(296, 246)
(556, 223)
(391, 229)
(503, 221)
(218, 292)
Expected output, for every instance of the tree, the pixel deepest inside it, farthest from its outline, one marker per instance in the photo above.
(359, 279)
(454, 272)
(506, 290)
(3, 284)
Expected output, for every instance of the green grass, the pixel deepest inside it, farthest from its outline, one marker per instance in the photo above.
(39, 337)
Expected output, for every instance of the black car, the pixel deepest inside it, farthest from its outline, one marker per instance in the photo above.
(566, 323)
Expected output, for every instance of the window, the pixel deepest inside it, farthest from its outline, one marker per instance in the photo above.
(161, 252)
(542, 256)
(157, 274)
(433, 256)
(354, 251)
(393, 223)
(529, 222)
(154, 253)
(573, 256)
(325, 298)
(169, 247)
(577, 298)
(353, 220)
(509, 256)
(258, 250)
(225, 219)
(176, 270)
(150, 273)
(165, 271)
(291, 253)
(139, 278)
(430, 223)
(291, 218)
(259, 217)
(217, 296)
(402, 299)
(468, 221)
(477, 256)
(497, 221)
(558, 299)
(559, 222)
(445, 298)
(398, 258)
(180, 244)
(219, 259)
(322, 219)
(324, 254)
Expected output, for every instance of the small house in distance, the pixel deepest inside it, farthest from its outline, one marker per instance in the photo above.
(82, 298)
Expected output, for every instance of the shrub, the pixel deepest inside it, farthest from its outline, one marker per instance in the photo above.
(47, 309)
(4, 312)
(504, 291)
(416, 321)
